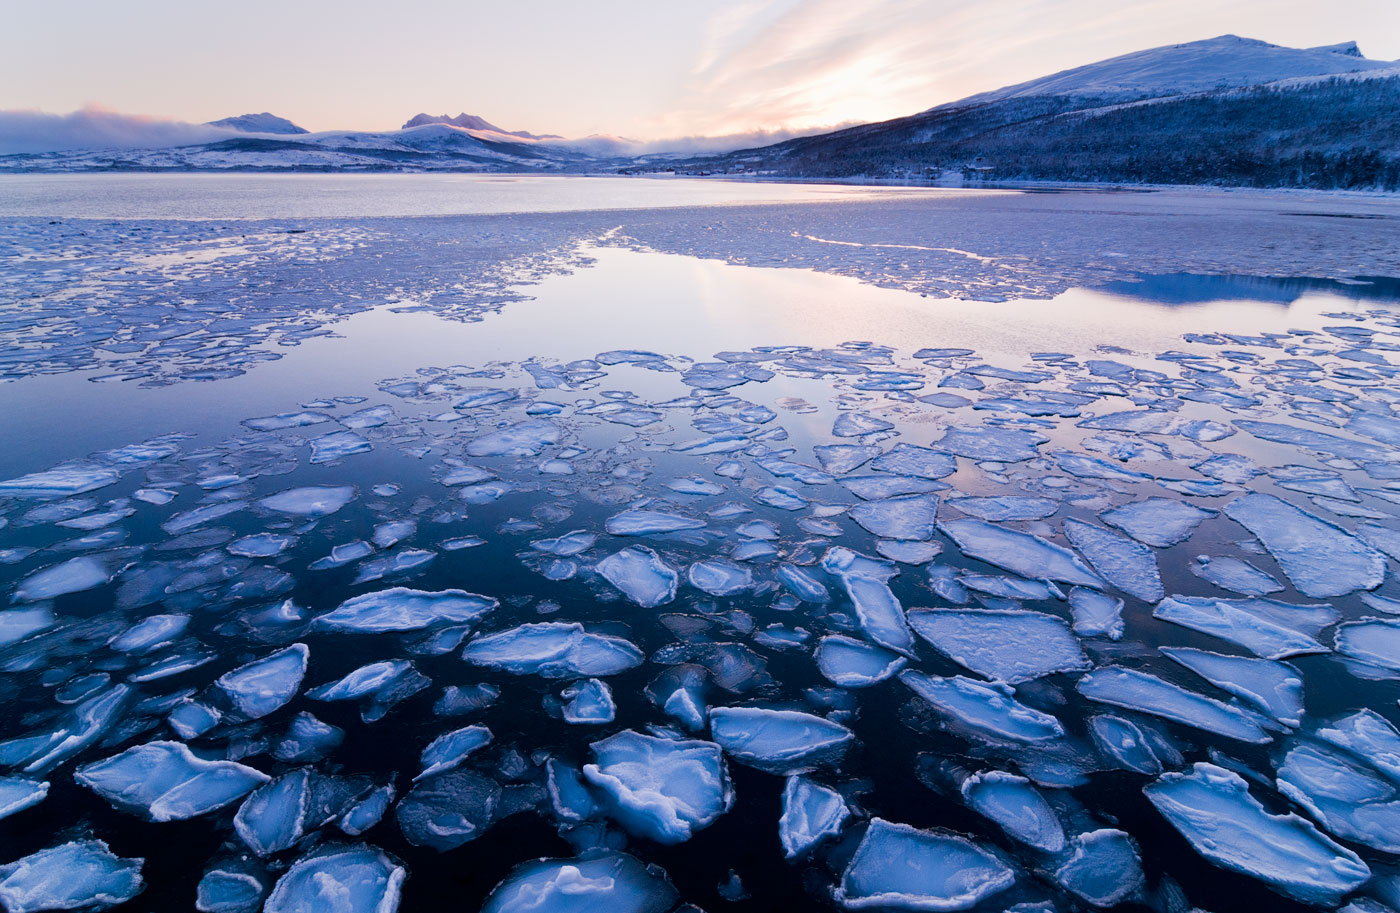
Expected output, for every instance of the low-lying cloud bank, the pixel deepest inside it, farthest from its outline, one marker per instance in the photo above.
(693, 145)
(96, 128)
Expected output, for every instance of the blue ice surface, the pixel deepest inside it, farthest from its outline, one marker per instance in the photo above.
(643, 522)
(554, 650)
(18, 793)
(908, 517)
(448, 810)
(1239, 622)
(266, 684)
(720, 578)
(1157, 521)
(778, 741)
(1124, 743)
(1349, 797)
(1213, 810)
(1133, 689)
(1096, 614)
(986, 711)
(1005, 507)
(339, 879)
(812, 813)
(75, 875)
(165, 781)
(1320, 558)
(661, 789)
(605, 882)
(1103, 868)
(1235, 575)
(897, 866)
(642, 576)
(59, 482)
(1017, 807)
(1124, 563)
(311, 501)
(1374, 641)
(588, 702)
(1271, 687)
(852, 663)
(1021, 553)
(403, 609)
(1009, 645)
(274, 816)
(880, 614)
(450, 749)
(526, 438)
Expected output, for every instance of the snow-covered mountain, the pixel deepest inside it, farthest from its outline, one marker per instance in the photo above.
(471, 122)
(1226, 110)
(1225, 62)
(259, 123)
(432, 147)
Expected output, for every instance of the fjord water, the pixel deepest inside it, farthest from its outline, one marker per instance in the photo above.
(339, 196)
(680, 455)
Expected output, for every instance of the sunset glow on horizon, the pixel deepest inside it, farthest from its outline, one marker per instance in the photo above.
(644, 71)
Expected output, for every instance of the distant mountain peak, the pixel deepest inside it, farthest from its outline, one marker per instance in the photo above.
(471, 122)
(259, 123)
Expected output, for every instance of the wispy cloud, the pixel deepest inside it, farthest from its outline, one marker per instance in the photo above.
(783, 64)
(96, 128)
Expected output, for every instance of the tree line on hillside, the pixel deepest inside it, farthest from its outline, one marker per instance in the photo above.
(1335, 134)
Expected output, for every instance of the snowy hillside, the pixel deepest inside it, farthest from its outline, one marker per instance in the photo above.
(1216, 63)
(259, 123)
(427, 148)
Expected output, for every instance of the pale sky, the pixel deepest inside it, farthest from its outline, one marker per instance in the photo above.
(646, 69)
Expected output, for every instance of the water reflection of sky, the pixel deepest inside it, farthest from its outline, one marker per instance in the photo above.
(664, 303)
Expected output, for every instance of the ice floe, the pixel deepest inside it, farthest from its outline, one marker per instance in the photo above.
(901, 867)
(812, 813)
(1017, 807)
(851, 663)
(778, 741)
(554, 650)
(1021, 553)
(661, 789)
(264, 685)
(1213, 810)
(351, 879)
(1132, 689)
(608, 881)
(641, 574)
(985, 709)
(403, 609)
(1009, 645)
(165, 781)
(1319, 558)
(80, 874)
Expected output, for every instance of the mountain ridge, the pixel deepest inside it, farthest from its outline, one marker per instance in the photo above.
(471, 122)
(265, 122)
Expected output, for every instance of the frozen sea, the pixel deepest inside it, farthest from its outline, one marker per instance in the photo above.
(367, 539)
